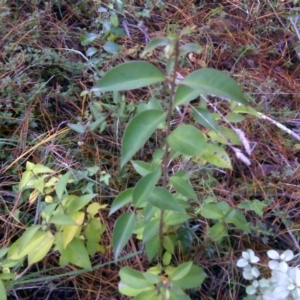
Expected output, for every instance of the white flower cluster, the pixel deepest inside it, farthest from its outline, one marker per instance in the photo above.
(284, 283)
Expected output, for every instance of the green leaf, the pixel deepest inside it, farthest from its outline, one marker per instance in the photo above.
(187, 140)
(121, 200)
(225, 136)
(235, 118)
(213, 82)
(42, 250)
(27, 236)
(151, 294)
(190, 47)
(79, 128)
(192, 279)
(163, 199)
(62, 219)
(217, 156)
(183, 187)
(77, 254)
(151, 229)
(26, 176)
(181, 271)
(129, 76)
(78, 203)
(167, 258)
(255, 205)
(144, 188)
(204, 117)
(123, 229)
(155, 42)
(38, 169)
(211, 211)
(138, 131)
(238, 219)
(218, 232)
(91, 51)
(88, 38)
(61, 185)
(134, 278)
(142, 167)
(246, 110)
(112, 47)
(152, 247)
(3, 251)
(174, 217)
(2, 291)
(184, 94)
(168, 244)
(178, 293)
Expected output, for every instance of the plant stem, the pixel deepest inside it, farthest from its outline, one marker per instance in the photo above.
(166, 157)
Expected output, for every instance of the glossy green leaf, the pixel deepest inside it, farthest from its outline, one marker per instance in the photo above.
(213, 82)
(151, 230)
(142, 167)
(204, 117)
(183, 187)
(154, 43)
(217, 232)
(256, 205)
(211, 211)
(187, 140)
(217, 156)
(78, 203)
(144, 188)
(77, 254)
(129, 76)
(121, 200)
(61, 185)
(123, 229)
(39, 184)
(181, 271)
(133, 278)
(184, 94)
(163, 199)
(192, 279)
(38, 253)
(224, 136)
(2, 291)
(138, 131)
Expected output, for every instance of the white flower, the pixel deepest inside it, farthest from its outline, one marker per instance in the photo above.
(278, 261)
(247, 258)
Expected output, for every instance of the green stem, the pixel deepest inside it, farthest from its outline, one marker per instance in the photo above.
(166, 157)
